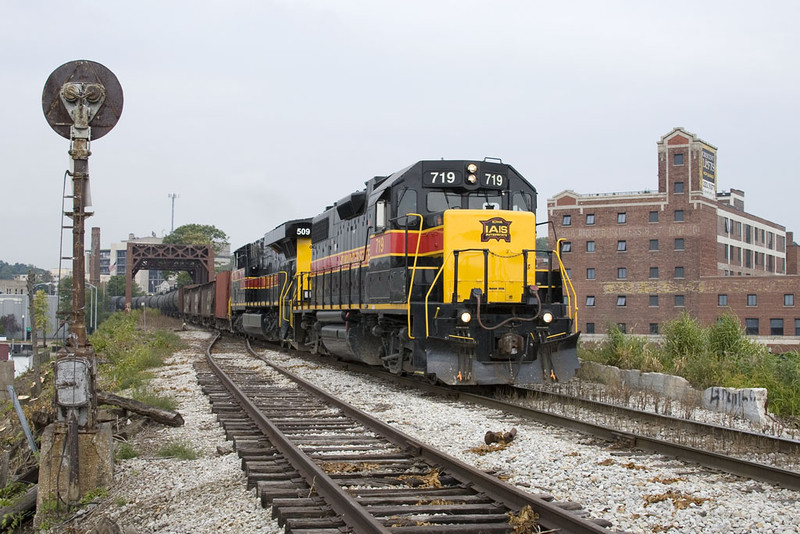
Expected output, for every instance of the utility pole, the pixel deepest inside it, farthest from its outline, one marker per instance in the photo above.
(173, 196)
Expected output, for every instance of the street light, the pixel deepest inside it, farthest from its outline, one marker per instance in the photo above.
(144, 317)
(24, 336)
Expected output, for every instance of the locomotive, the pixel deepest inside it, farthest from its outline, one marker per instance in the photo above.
(430, 271)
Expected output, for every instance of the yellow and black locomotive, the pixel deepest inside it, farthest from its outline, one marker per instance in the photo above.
(429, 271)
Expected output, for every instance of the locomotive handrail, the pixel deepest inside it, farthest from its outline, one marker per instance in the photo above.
(428, 294)
(282, 297)
(413, 273)
(571, 296)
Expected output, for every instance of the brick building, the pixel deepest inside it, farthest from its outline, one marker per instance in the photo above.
(639, 259)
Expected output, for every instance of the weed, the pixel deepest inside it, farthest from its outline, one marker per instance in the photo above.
(125, 451)
(93, 495)
(153, 398)
(177, 449)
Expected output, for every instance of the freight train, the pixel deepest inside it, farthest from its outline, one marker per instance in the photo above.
(430, 271)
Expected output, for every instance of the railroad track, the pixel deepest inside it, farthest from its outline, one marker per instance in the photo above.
(325, 466)
(689, 437)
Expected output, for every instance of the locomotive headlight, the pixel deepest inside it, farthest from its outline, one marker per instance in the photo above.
(547, 317)
(472, 178)
(472, 168)
(466, 317)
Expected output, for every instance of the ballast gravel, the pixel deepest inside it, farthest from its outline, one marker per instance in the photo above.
(152, 494)
(639, 493)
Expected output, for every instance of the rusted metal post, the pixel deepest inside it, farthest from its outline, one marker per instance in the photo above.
(79, 152)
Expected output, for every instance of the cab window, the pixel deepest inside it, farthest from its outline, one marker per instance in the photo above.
(406, 203)
(442, 200)
(521, 202)
(485, 201)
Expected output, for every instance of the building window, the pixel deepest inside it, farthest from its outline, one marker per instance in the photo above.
(751, 327)
(590, 300)
(679, 301)
(678, 215)
(653, 216)
(590, 273)
(748, 233)
(679, 272)
(653, 272)
(622, 245)
(677, 159)
(622, 327)
(566, 246)
(590, 246)
(722, 300)
(653, 329)
(752, 300)
(797, 327)
(788, 299)
(678, 187)
(679, 243)
(654, 301)
(622, 273)
(622, 218)
(566, 220)
(589, 219)
(622, 300)
(569, 272)
(776, 327)
(590, 328)
(727, 223)
(748, 258)
(653, 244)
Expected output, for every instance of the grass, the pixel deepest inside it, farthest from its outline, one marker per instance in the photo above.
(717, 355)
(127, 352)
(125, 451)
(148, 396)
(177, 449)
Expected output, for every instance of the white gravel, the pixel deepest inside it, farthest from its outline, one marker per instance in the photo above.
(209, 495)
(611, 484)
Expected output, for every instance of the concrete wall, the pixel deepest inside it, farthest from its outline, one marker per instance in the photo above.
(748, 403)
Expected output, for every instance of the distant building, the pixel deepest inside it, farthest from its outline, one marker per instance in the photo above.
(639, 259)
(13, 287)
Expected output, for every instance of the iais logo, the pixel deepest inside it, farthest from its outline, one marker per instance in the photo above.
(496, 228)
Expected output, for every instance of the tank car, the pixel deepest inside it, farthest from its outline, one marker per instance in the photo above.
(429, 271)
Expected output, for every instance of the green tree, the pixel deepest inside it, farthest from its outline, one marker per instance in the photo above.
(115, 287)
(9, 271)
(41, 311)
(195, 234)
(9, 325)
(198, 234)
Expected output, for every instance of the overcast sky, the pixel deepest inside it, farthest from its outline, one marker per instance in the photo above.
(256, 112)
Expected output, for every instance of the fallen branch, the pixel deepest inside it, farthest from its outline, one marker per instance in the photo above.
(166, 417)
(13, 514)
